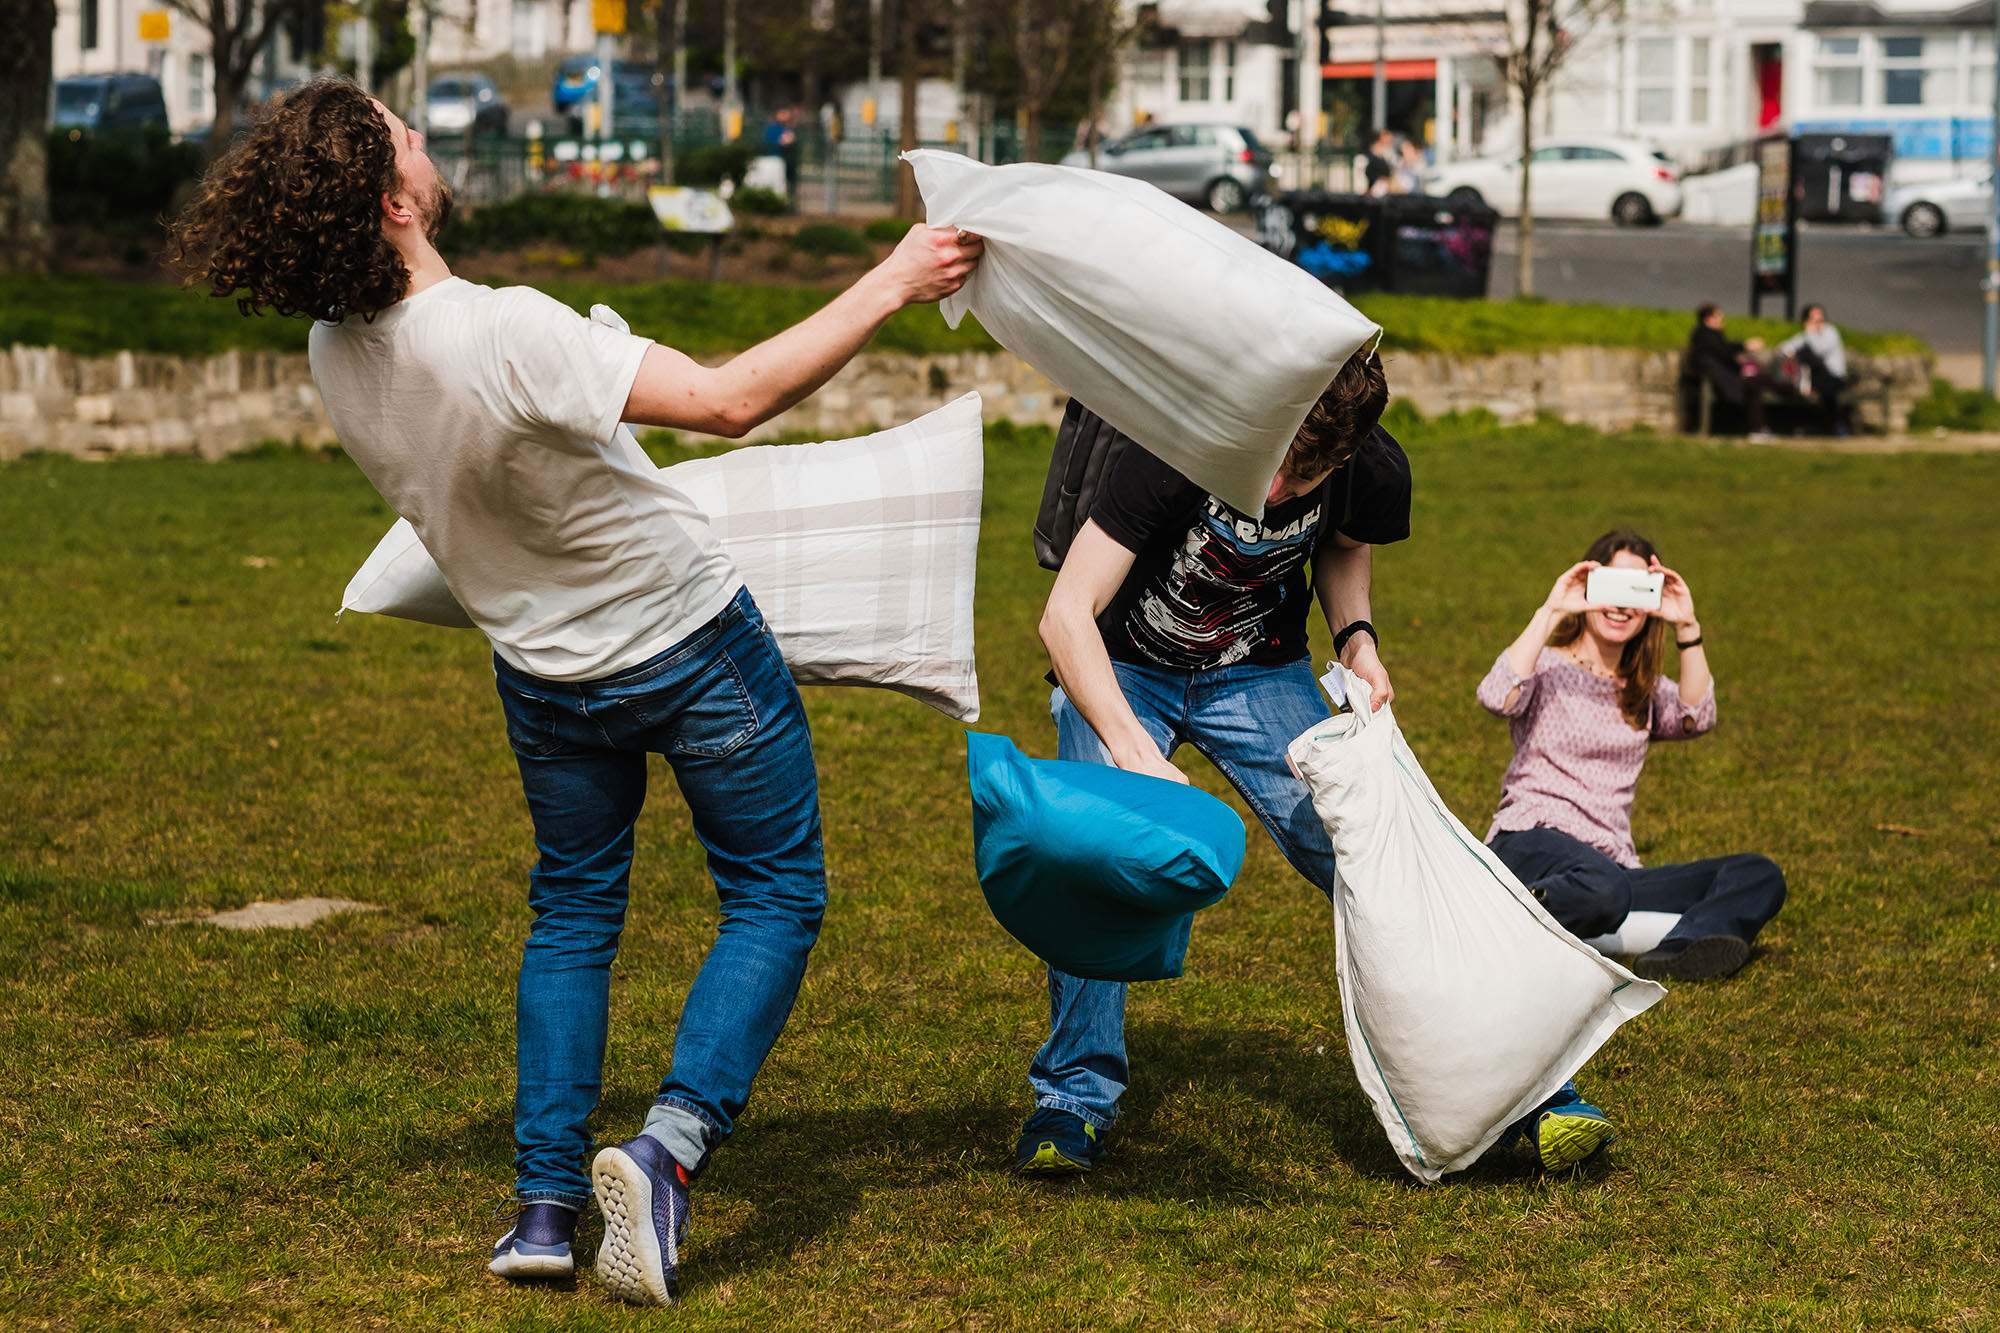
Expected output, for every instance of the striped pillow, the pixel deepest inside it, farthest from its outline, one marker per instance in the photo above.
(861, 554)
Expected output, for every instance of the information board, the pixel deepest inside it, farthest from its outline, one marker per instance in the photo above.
(1774, 236)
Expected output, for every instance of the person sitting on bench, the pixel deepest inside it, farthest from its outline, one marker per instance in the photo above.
(1727, 367)
(1823, 357)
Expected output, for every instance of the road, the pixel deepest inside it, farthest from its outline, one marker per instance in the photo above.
(1867, 278)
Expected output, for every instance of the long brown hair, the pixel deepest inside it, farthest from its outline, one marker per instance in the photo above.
(1639, 663)
(291, 218)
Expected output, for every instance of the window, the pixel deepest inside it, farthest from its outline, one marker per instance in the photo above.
(1653, 102)
(1553, 154)
(1698, 75)
(1837, 72)
(1918, 71)
(89, 17)
(1228, 71)
(1193, 58)
(197, 82)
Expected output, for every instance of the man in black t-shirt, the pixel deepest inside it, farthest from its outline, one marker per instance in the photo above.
(1176, 620)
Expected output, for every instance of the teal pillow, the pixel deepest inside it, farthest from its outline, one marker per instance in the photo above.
(1099, 872)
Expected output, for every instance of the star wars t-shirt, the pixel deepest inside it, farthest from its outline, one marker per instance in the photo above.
(1211, 587)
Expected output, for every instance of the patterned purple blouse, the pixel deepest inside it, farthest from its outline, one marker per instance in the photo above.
(1576, 758)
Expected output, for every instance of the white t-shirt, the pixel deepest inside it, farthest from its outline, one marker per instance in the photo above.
(489, 420)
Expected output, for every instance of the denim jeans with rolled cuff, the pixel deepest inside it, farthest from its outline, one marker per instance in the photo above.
(721, 707)
(1240, 718)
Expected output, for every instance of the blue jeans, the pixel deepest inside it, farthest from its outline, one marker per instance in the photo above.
(1240, 718)
(722, 708)
(1590, 894)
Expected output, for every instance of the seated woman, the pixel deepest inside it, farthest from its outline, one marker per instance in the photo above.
(1583, 688)
(1824, 357)
(1729, 367)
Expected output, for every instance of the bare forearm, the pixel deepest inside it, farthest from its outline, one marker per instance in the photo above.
(1344, 576)
(1083, 669)
(776, 374)
(1526, 651)
(1696, 678)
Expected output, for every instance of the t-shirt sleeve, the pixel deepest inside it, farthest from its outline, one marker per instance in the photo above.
(1140, 496)
(562, 370)
(1376, 510)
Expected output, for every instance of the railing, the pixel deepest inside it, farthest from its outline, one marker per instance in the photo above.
(856, 173)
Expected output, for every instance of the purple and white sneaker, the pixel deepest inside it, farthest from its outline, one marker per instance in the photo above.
(537, 1245)
(642, 1192)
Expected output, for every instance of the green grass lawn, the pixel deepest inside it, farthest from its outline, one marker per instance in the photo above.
(100, 316)
(312, 1129)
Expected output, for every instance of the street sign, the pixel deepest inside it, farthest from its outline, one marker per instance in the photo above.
(1774, 237)
(155, 25)
(608, 17)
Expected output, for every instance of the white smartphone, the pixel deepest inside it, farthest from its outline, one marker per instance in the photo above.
(1611, 585)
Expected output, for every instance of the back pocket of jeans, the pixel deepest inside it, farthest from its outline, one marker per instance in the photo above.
(718, 720)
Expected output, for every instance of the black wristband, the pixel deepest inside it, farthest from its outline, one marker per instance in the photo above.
(1354, 627)
(1695, 642)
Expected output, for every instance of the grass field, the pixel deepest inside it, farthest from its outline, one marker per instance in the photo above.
(95, 316)
(311, 1129)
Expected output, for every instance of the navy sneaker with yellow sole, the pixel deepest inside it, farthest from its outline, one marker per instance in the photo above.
(1565, 1131)
(1056, 1142)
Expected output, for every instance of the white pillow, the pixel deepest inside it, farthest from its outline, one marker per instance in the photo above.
(1200, 344)
(861, 554)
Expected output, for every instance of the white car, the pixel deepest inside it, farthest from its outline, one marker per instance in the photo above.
(1621, 179)
(1936, 207)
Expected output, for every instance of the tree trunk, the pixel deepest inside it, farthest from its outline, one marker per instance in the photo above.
(27, 52)
(666, 49)
(909, 204)
(1524, 242)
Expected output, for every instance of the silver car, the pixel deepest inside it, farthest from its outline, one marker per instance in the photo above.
(1220, 166)
(1936, 207)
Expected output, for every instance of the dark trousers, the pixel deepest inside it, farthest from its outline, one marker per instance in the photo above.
(1826, 386)
(1589, 894)
(1745, 391)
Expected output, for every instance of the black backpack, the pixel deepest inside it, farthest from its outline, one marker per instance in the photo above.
(1086, 447)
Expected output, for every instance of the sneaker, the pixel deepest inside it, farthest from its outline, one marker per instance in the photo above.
(1704, 959)
(1056, 1142)
(537, 1245)
(642, 1192)
(1565, 1130)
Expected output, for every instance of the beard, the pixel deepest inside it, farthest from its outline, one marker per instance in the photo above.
(435, 211)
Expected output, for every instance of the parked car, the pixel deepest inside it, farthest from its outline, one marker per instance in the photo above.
(1935, 207)
(109, 102)
(634, 101)
(460, 100)
(1625, 180)
(1220, 166)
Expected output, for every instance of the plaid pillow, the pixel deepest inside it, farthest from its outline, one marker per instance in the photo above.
(860, 553)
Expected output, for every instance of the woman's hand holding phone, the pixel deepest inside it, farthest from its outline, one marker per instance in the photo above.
(1676, 602)
(1568, 596)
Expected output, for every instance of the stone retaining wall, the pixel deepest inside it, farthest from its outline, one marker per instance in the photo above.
(143, 403)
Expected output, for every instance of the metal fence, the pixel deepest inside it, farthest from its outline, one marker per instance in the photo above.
(855, 173)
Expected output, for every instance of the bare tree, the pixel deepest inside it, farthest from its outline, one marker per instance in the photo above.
(1042, 47)
(1536, 38)
(238, 33)
(27, 52)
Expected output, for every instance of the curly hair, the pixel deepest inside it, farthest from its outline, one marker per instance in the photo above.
(291, 218)
(1343, 416)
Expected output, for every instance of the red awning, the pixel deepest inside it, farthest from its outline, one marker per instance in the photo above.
(1391, 69)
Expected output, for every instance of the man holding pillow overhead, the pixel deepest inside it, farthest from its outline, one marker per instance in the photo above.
(489, 419)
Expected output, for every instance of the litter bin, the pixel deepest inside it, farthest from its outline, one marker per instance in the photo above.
(1840, 177)
(1358, 243)
(1437, 247)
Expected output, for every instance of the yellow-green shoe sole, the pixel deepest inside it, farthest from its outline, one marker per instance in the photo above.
(1565, 1141)
(1047, 1161)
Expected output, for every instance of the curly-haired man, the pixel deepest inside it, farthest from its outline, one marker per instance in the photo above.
(489, 419)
